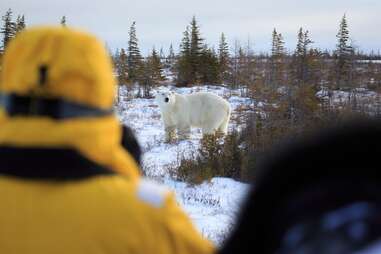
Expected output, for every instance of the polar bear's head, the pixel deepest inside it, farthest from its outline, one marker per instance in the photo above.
(165, 98)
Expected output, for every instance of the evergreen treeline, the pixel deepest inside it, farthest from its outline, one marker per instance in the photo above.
(11, 27)
(132, 69)
(287, 83)
(197, 63)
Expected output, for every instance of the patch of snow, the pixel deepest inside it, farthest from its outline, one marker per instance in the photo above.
(212, 206)
(369, 61)
(367, 99)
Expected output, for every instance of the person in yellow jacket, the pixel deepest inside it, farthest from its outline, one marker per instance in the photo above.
(66, 183)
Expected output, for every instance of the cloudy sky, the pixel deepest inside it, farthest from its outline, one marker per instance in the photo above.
(162, 22)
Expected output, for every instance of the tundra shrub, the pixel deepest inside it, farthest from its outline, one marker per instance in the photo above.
(216, 156)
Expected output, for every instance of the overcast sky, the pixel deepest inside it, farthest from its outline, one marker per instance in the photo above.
(162, 22)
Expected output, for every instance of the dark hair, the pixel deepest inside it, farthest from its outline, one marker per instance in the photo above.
(131, 144)
(306, 178)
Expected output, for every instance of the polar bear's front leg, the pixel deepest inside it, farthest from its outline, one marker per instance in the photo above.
(169, 134)
(209, 130)
(183, 132)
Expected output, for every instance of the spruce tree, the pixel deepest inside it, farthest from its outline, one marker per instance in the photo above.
(121, 67)
(273, 58)
(280, 50)
(223, 58)
(274, 42)
(183, 65)
(170, 59)
(196, 40)
(316, 72)
(188, 64)
(161, 54)
(196, 48)
(300, 65)
(276, 60)
(156, 68)
(277, 47)
(171, 54)
(152, 73)
(9, 28)
(208, 67)
(342, 46)
(144, 79)
(299, 45)
(63, 21)
(343, 55)
(134, 58)
(20, 23)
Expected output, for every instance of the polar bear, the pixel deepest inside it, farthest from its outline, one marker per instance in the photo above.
(202, 109)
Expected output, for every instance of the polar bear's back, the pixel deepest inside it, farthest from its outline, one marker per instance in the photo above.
(204, 106)
(205, 98)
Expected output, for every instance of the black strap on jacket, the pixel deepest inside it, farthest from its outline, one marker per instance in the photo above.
(17, 105)
(57, 164)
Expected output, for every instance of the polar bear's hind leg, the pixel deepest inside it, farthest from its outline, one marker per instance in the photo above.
(208, 131)
(211, 128)
(224, 125)
(183, 132)
(169, 134)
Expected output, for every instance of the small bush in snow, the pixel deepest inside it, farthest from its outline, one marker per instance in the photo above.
(217, 155)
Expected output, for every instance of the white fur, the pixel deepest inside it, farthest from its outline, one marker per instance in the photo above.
(204, 110)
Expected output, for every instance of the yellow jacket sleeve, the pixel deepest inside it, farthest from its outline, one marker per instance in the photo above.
(179, 228)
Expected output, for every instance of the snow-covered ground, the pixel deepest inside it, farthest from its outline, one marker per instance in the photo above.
(212, 205)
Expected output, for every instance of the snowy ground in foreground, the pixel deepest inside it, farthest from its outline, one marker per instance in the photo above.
(212, 206)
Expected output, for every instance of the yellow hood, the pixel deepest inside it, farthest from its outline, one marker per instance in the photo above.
(78, 70)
